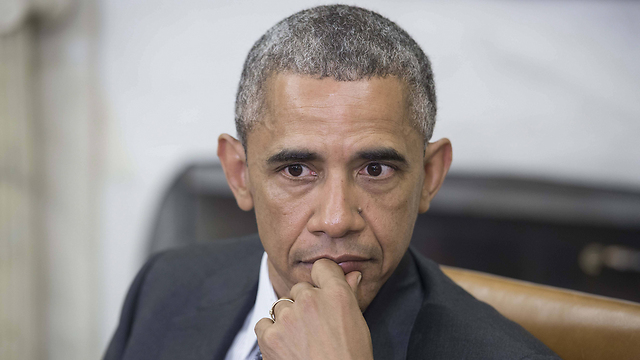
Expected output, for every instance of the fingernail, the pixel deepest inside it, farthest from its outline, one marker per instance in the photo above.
(359, 278)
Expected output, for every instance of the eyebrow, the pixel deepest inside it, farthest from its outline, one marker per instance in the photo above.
(381, 154)
(303, 155)
(289, 155)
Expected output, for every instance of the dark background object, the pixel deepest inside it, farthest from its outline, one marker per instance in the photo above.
(570, 236)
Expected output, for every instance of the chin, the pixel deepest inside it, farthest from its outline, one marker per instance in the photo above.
(366, 294)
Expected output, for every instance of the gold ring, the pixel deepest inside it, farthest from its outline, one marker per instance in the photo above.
(273, 314)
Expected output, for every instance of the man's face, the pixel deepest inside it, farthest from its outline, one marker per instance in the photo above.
(335, 170)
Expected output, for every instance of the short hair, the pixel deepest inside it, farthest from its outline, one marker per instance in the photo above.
(342, 42)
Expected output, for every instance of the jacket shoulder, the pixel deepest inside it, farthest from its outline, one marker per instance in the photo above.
(178, 281)
(453, 324)
(196, 275)
(195, 262)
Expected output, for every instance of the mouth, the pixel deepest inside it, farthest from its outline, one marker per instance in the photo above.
(348, 263)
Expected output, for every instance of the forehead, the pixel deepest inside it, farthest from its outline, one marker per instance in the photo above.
(302, 111)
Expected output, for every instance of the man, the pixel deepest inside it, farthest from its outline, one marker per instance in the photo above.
(335, 110)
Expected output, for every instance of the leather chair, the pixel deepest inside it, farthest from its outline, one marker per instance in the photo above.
(573, 324)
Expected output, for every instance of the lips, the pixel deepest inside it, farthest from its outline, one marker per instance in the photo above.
(348, 263)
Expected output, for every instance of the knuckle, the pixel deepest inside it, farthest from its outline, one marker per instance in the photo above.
(269, 336)
(307, 299)
(284, 315)
(299, 286)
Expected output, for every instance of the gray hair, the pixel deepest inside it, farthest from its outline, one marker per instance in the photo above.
(342, 42)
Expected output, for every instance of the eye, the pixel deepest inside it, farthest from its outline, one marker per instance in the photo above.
(297, 170)
(377, 170)
(374, 169)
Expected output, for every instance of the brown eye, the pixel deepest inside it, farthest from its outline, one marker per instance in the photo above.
(295, 170)
(374, 169)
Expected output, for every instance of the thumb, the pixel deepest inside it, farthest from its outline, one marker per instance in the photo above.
(353, 279)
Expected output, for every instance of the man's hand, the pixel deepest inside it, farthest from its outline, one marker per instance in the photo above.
(324, 322)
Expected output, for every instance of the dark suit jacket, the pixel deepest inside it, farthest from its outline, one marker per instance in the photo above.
(190, 303)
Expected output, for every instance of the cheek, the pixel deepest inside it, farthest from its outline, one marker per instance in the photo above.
(281, 218)
(391, 217)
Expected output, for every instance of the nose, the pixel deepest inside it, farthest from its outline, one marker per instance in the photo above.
(337, 209)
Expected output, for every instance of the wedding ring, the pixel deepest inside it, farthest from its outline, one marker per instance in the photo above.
(272, 313)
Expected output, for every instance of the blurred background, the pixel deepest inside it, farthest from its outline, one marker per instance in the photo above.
(110, 111)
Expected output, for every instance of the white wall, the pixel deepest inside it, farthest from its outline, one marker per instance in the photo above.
(544, 89)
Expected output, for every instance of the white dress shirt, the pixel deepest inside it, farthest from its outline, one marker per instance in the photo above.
(244, 346)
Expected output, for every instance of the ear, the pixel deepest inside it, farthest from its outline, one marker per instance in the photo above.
(437, 160)
(234, 163)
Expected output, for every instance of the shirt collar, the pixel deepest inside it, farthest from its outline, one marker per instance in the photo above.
(244, 344)
(266, 295)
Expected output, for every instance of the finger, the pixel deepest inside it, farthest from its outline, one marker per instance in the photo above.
(325, 271)
(353, 279)
(299, 288)
(262, 325)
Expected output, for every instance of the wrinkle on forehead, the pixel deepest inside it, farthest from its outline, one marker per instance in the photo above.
(294, 91)
(327, 100)
(306, 111)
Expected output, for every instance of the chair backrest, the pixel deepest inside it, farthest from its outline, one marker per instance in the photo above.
(573, 324)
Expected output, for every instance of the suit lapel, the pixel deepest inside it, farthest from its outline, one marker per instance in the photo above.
(206, 332)
(391, 315)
